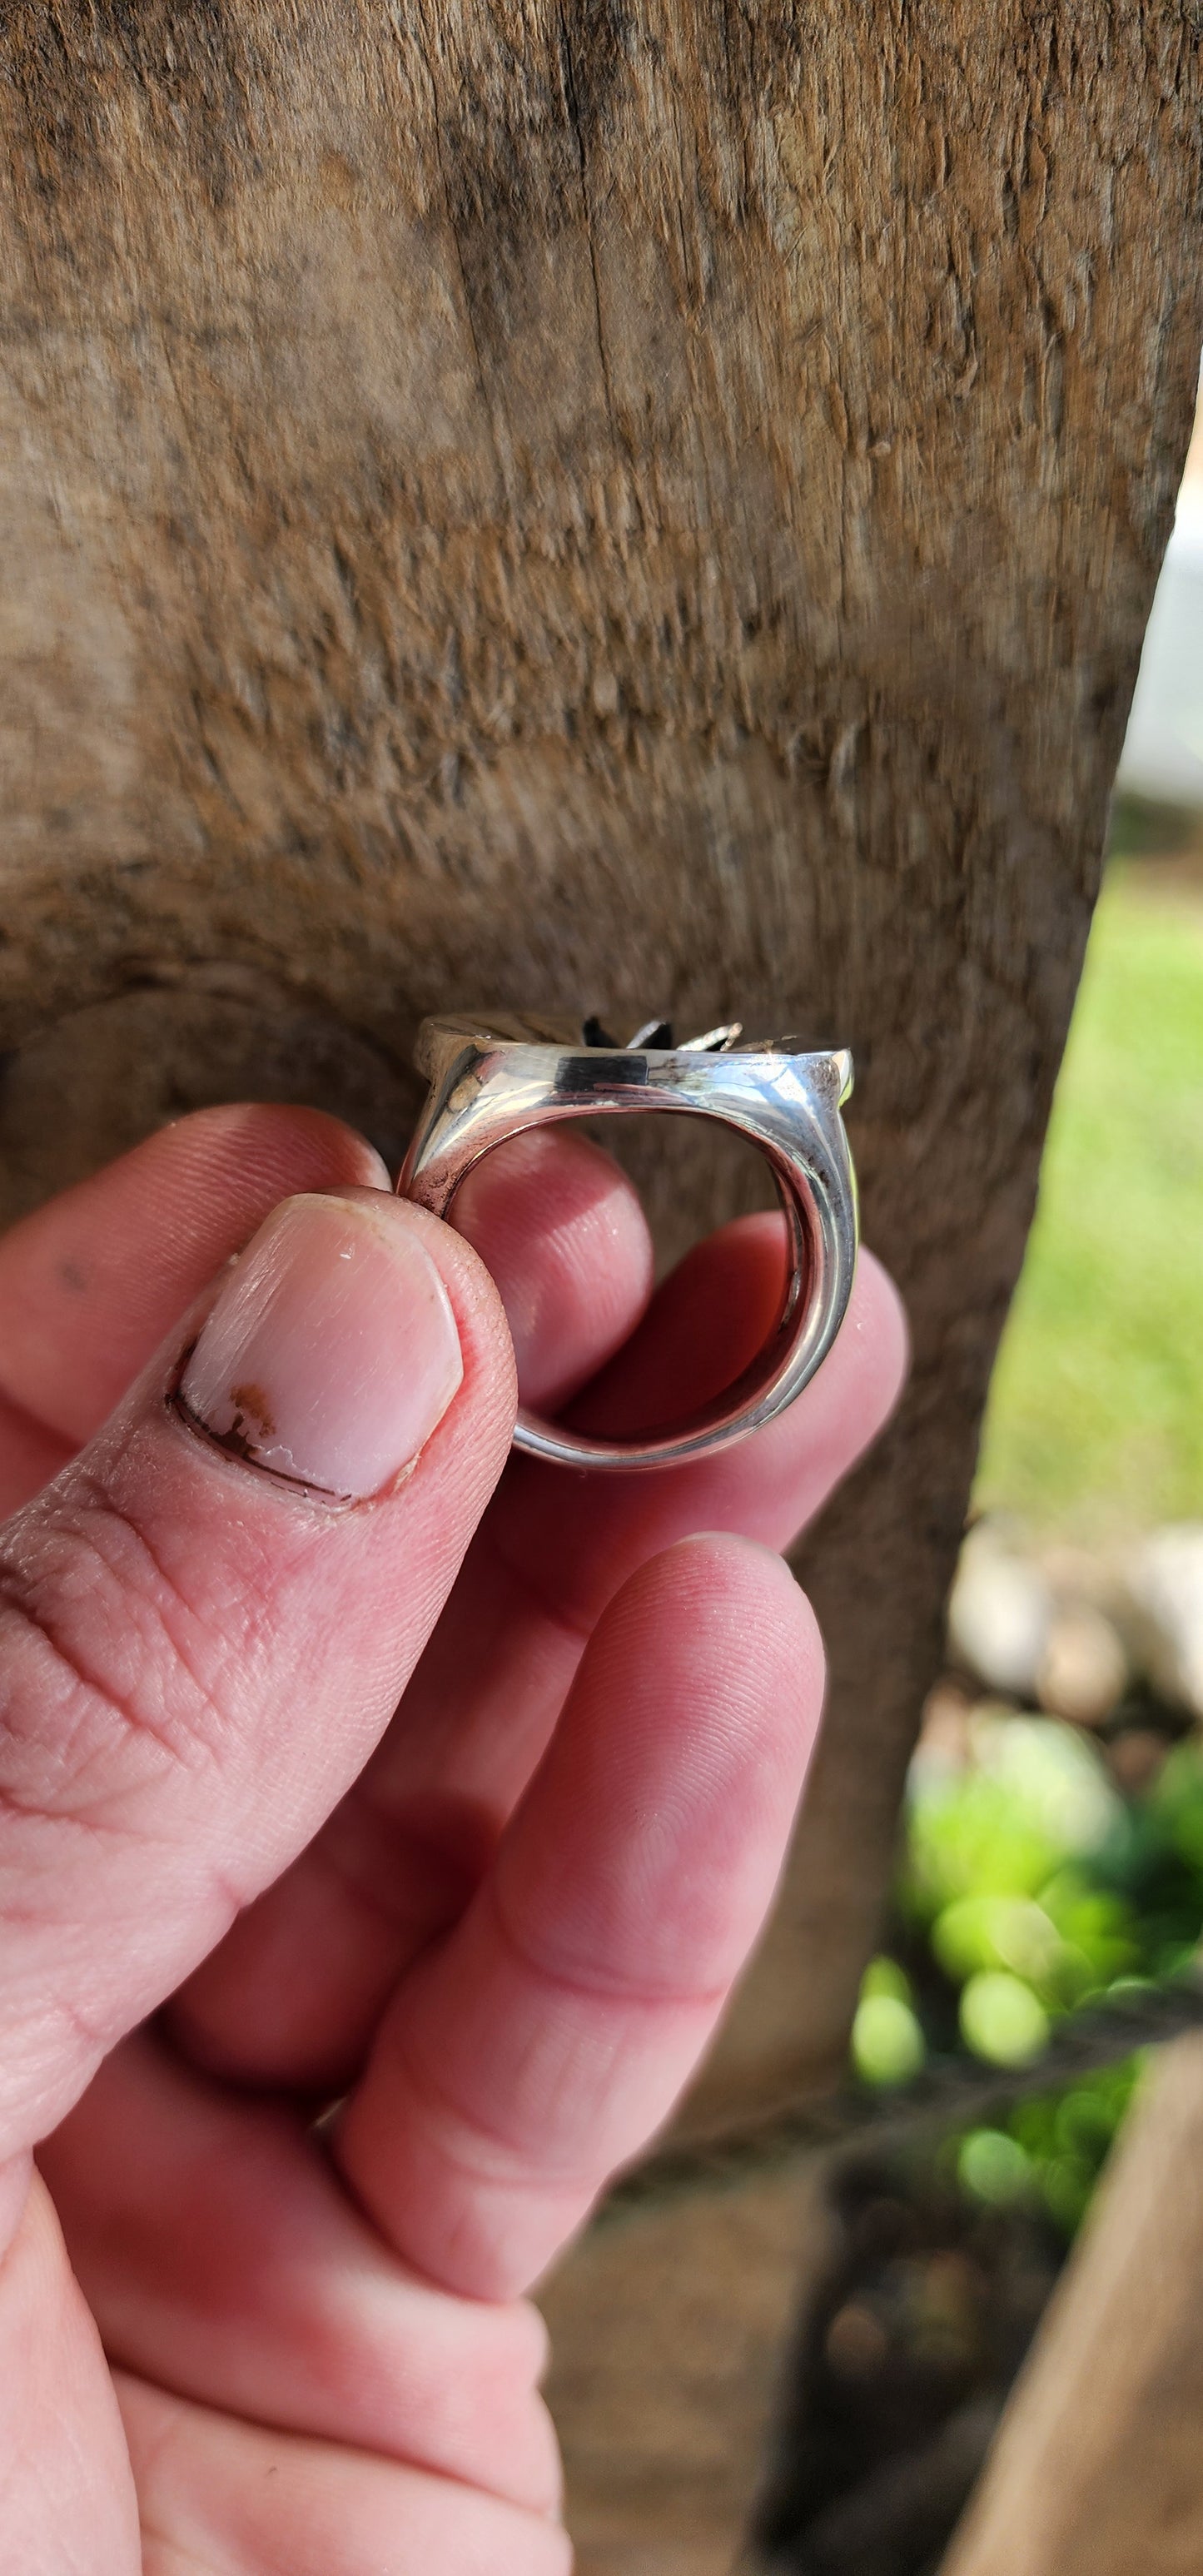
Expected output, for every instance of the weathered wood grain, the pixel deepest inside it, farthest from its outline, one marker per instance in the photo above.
(670, 2330)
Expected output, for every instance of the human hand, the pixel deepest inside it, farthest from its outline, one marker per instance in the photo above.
(455, 1793)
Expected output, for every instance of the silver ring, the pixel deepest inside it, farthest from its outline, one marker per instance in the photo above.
(492, 1078)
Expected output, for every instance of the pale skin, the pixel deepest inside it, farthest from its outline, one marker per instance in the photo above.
(459, 1806)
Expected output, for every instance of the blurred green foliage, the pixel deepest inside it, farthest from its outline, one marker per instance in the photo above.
(1096, 1409)
(1029, 1887)
(1052, 2149)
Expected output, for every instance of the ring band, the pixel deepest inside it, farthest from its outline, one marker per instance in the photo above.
(492, 1079)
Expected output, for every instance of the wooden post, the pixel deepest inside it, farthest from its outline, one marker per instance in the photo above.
(634, 503)
(670, 2327)
(1097, 2469)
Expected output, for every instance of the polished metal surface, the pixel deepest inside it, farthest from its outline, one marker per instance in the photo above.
(492, 1077)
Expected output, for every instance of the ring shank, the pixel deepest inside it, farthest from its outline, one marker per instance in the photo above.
(787, 1107)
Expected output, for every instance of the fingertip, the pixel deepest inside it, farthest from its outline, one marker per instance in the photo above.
(718, 1571)
(711, 1658)
(736, 1603)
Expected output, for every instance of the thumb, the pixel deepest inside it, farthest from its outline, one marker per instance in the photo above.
(207, 1619)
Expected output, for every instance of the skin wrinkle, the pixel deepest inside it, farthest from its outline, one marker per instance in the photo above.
(255, 1629)
(461, 2360)
(92, 2039)
(177, 2561)
(288, 2438)
(94, 1827)
(258, 1627)
(77, 1692)
(93, 2042)
(526, 2372)
(99, 1693)
(148, 2532)
(94, 1698)
(252, 1600)
(416, 2065)
(570, 1982)
(429, 2091)
(30, 1810)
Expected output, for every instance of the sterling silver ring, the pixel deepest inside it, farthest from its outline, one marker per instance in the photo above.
(493, 1077)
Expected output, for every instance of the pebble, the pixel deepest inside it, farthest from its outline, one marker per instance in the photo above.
(1000, 1612)
(1163, 1588)
(1082, 1672)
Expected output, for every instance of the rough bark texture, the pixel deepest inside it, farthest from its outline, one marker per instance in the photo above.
(650, 503)
(1098, 2467)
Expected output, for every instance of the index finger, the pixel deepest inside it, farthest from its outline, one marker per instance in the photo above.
(91, 1283)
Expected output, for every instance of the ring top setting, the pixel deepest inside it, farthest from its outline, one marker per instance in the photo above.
(494, 1076)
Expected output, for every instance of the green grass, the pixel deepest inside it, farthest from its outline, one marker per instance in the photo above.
(1095, 1421)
